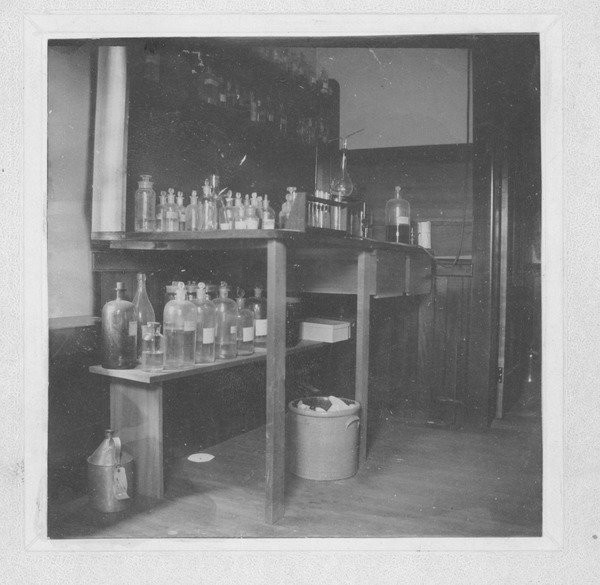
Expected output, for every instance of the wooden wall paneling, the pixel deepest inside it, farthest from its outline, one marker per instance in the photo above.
(426, 354)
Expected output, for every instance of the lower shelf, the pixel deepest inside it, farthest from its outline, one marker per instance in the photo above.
(140, 376)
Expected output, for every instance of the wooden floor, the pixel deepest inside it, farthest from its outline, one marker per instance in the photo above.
(419, 480)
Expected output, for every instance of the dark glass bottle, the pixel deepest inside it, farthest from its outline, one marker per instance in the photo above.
(119, 332)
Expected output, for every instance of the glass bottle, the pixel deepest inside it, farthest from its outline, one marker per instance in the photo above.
(252, 213)
(209, 209)
(226, 214)
(192, 215)
(153, 354)
(119, 332)
(160, 212)
(171, 213)
(397, 219)
(258, 305)
(245, 327)
(239, 221)
(144, 312)
(268, 215)
(179, 327)
(225, 324)
(206, 316)
(145, 204)
(181, 209)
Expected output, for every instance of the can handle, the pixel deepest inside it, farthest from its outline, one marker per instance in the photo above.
(117, 442)
(353, 419)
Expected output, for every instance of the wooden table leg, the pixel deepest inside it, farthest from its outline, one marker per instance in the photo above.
(363, 315)
(275, 427)
(136, 414)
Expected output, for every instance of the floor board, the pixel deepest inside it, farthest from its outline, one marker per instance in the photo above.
(418, 480)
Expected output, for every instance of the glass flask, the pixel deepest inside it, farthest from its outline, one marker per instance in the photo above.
(143, 309)
(181, 209)
(171, 213)
(209, 209)
(397, 219)
(206, 316)
(160, 212)
(258, 305)
(153, 353)
(119, 332)
(145, 205)
(225, 324)
(268, 215)
(342, 185)
(239, 221)
(245, 327)
(179, 328)
(226, 214)
(192, 215)
(251, 213)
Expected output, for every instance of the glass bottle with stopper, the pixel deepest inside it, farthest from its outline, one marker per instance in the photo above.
(397, 219)
(160, 212)
(119, 332)
(268, 215)
(245, 326)
(225, 324)
(239, 222)
(226, 217)
(171, 213)
(153, 354)
(206, 316)
(145, 205)
(192, 215)
(209, 208)
(182, 211)
(143, 309)
(179, 327)
(258, 305)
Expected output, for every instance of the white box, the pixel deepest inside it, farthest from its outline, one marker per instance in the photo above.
(328, 330)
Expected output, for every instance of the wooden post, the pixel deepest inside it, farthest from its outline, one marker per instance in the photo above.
(275, 408)
(110, 143)
(363, 317)
(136, 414)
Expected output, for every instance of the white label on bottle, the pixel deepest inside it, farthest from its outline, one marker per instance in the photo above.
(208, 335)
(172, 215)
(233, 330)
(189, 326)
(252, 224)
(222, 98)
(133, 328)
(248, 334)
(402, 220)
(226, 225)
(268, 224)
(240, 224)
(261, 327)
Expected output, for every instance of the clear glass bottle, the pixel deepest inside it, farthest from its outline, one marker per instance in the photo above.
(268, 215)
(206, 316)
(179, 327)
(258, 305)
(153, 353)
(145, 205)
(239, 221)
(397, 219)
(143, 308)
(225, 324)
(171, 213)
(160, 212)
(245, 327)
(209, 209)
(192, 215)
(252, 213)
(119, 332)
(226, 214)
(182, 211)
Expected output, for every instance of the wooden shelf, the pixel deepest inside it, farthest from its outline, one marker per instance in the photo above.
(140, 376)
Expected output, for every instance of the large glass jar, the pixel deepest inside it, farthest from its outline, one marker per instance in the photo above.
(119, 332)
(145, 205)
(206, 316)
(225, 324)
(179, 328)
(397, 219)
(258, 305)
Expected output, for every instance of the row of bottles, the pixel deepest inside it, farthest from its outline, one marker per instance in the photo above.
(195, 329)
(212, 212)
(215, 83)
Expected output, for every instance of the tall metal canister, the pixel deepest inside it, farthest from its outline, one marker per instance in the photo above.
(110, 474)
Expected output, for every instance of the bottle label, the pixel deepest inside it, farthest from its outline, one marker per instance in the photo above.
(133, 328)
(248, 334)
(226, 225)
(189, 326)
(172, 215)
(402, 220)
(240, 224)
(233, 330)
(222, 98)
(252, 224)
(208, 335)
(268, 224)
(261, 327)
